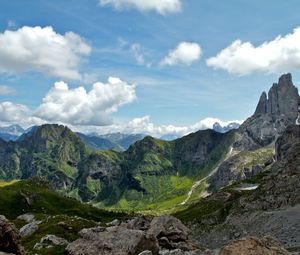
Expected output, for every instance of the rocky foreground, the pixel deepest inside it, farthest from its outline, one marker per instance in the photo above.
(164, 235)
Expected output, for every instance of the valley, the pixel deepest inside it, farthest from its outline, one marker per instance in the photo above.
(218, 184)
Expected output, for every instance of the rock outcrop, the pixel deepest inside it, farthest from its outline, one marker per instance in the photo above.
(254, 246)
(273, 208)
(10, 240)
(272, 115)
(139, 235)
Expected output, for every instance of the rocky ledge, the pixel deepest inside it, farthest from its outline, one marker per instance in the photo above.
(141, 235)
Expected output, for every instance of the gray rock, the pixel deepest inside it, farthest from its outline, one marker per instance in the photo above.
(179, 252)
(10, 240)
(146, 253)
(114, 240)
(170, 227)
(29, 228)
(139, 223)
(50, 240)
(273, 114)
(254, 245)
(28, 217)
(114, 223)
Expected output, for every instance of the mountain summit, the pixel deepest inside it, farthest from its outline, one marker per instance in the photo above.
(272, 115)
(282, 100)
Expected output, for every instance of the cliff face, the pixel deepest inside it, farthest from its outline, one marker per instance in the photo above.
(255, 148)
(272, 115)
(271, 208)
(282, 100)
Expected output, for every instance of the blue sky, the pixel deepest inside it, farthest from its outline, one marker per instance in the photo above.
(131, 41)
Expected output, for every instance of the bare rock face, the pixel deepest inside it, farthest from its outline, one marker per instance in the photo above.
(141, 235)
(114, 240)
(9, 238)
(272, 115)
(169, 227)
(254, 246)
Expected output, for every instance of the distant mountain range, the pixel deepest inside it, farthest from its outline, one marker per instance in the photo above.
(223, 185)
(113, 141)
(11, 133)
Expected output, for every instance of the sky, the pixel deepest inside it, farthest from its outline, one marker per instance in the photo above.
(142, 66)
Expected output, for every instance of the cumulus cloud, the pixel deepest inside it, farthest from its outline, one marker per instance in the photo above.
(185, 53)
(277, 56)
(12, 113)
(160, 6)
(43, 50)
(80, 107)
(143, 125)
(6, 90)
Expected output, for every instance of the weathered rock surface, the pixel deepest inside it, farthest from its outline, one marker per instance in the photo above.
(271, 209)
(273, 114)
(254, 246)
(114, 240)
(28, 217)
(9, 238)
(29, 228)
(139, 235)
(50, 241)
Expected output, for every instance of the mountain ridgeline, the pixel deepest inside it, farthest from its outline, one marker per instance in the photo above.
(153, 174)
(150, 170)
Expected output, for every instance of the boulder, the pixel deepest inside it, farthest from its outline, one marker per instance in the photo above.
(169, 227)
(50, 240)
(10, 240)
(114, 240)
(28, 217)
(29, 228)
(254, 246)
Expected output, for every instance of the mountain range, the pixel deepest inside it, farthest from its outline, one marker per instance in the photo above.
(224, 186)
(111, 141)
(152, 173)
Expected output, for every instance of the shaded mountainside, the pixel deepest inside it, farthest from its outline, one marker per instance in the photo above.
(114, 141)
(270, 209)
(99, 143)
(150, 172)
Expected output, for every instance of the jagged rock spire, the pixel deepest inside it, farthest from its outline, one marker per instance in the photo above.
(274, 112)
(283, 99)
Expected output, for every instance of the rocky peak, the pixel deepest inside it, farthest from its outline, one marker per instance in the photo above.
(274, 112)
(283, 99)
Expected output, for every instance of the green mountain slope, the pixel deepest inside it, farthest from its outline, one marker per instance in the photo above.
(58, 215)
(151, 174)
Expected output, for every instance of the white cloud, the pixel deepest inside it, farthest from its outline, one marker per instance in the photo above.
(277, 56)
(43, 50)
(12, 113)
(6, 90)
(144, 125)
(185, 53)
(160, 6)
(138, 55)
(80, 107)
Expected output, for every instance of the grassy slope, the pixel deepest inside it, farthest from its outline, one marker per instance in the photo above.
(60, 216)
(155, 165)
